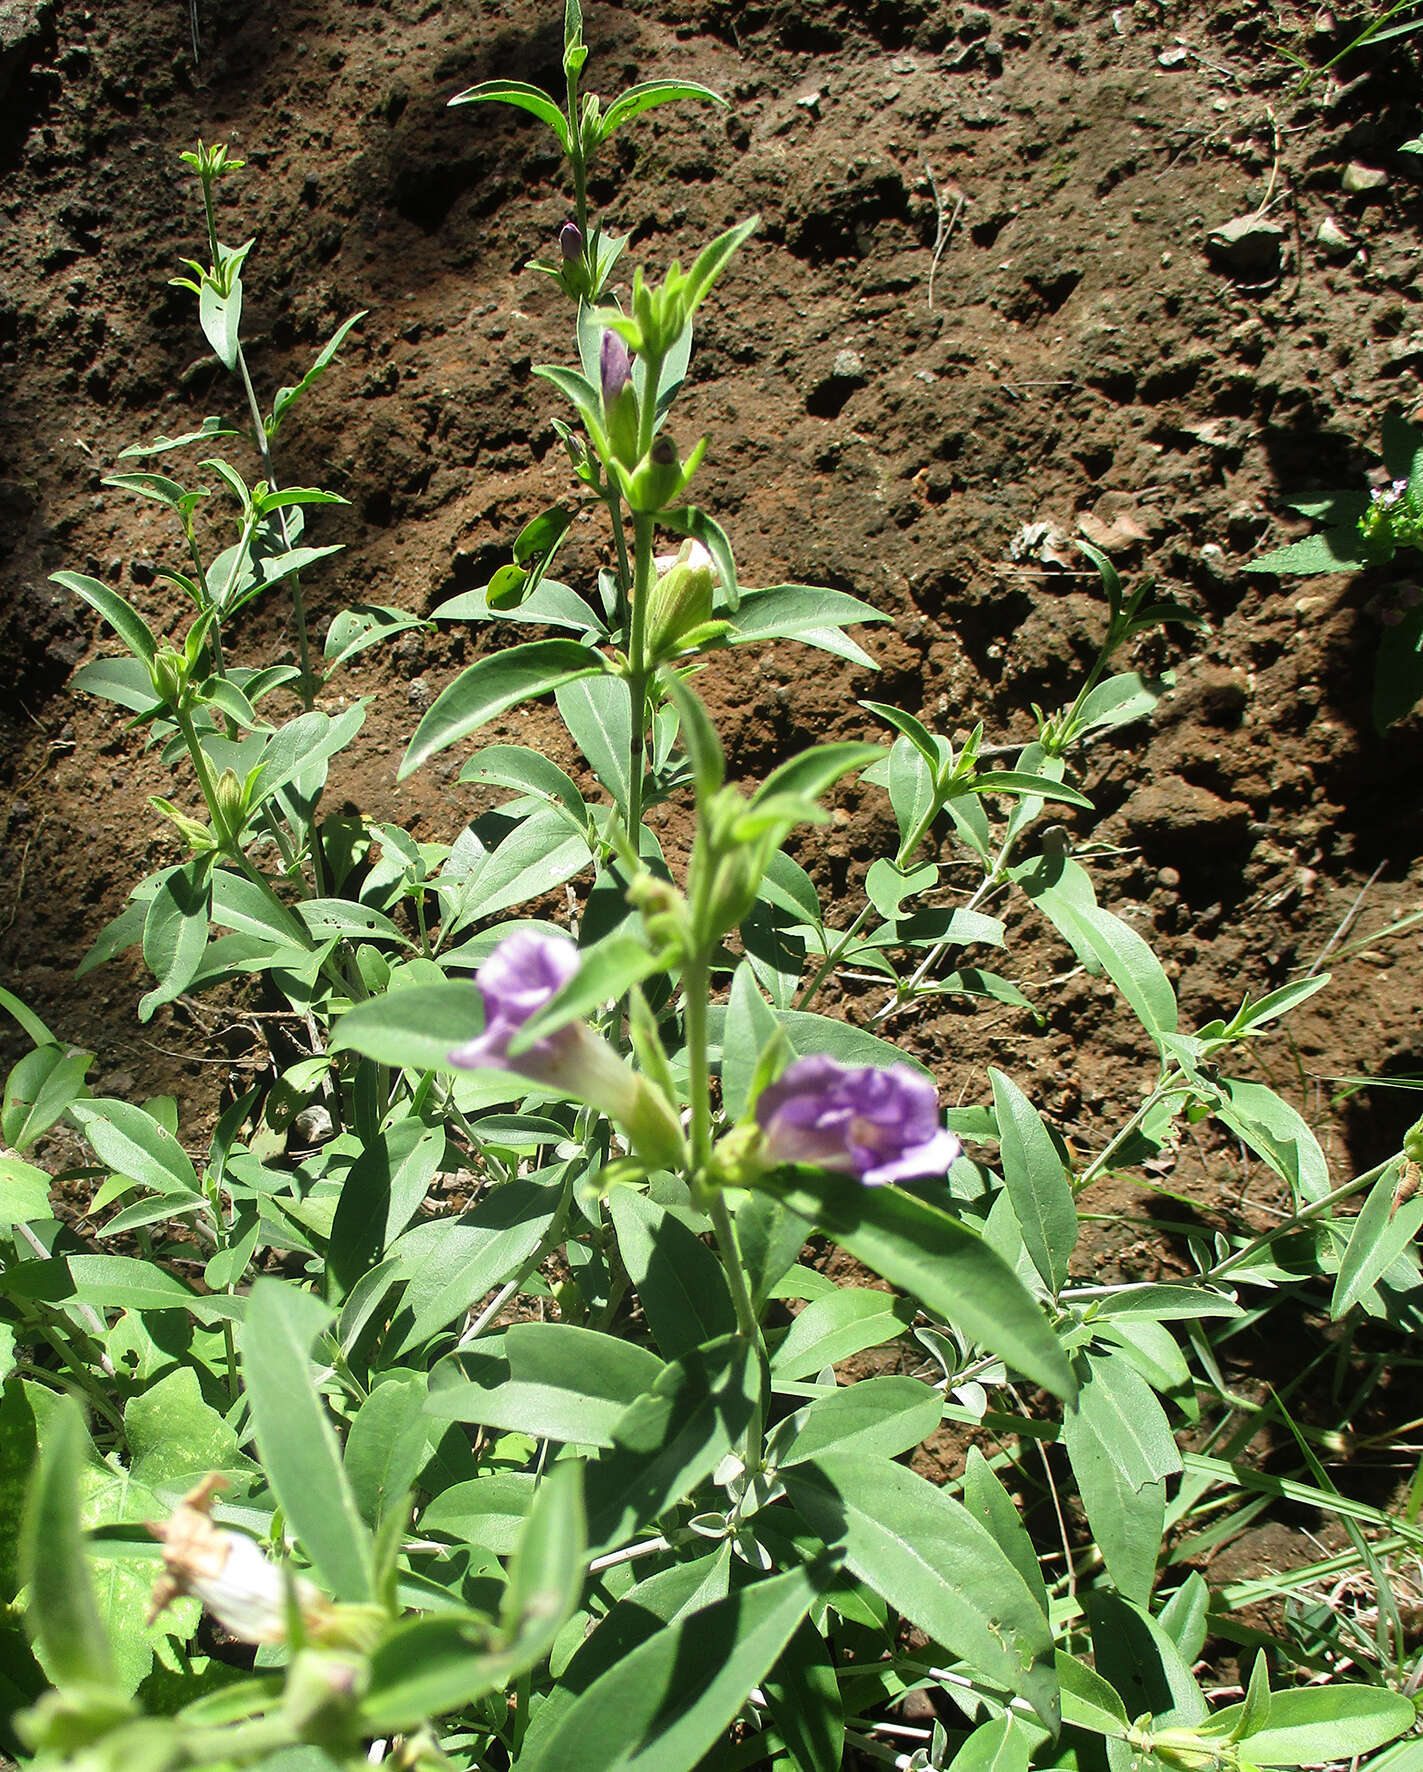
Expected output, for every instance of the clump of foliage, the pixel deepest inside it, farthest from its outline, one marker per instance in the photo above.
(478, 1380)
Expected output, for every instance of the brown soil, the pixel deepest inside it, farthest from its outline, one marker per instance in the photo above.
(1087, 363)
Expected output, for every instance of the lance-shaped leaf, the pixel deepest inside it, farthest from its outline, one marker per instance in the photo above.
(121, 616)
(492, 685)
(63, 1615)
(662, 1707)
(524, 97)
(1036, 1180)
(947, 1267)
(645, 95)
(297, 1441)
(922, 1550)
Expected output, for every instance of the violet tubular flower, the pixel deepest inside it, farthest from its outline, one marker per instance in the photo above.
(570, 242)
(878, 1125)
(524, 973)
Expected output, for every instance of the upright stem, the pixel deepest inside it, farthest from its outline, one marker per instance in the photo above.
(637, 669)
(259, 430)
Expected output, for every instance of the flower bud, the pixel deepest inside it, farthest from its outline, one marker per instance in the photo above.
(231, 800)
(658, 477)
(570, 242)
(681, 601)
(620, 413)
(169, 672)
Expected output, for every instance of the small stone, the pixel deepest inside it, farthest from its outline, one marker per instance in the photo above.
(810, 101)
(313, 1126)
(848, 366)
(1359, 179)
(1248, 248)
(1169, 878)
(1174, 58)
(1332, 238)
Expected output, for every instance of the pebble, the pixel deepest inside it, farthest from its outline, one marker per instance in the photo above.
(1336, 243)
(1174, 58)
(1359, 179)
(1247, 247)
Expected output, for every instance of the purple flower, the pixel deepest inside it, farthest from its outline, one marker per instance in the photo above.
(519, 977)
(570, 242)
(878, 1125)
(614, 367)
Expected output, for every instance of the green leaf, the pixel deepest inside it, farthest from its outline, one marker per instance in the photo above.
(525, 98)
(1088, 1702)
(387, 1445)
(1036, 1180)
(1335, 550)
(132, 1143)
(645, 95)
(288, 397)
(536, 856)
(174, 1437)
(490, 1511)
(220, 317)
(344, 916)
(296, 1439)
(884, 1416)
(415, 1027)
(451, 1266)
(809, 1033)
(598, 715)
(63, 1615)
(527, 772)
(803, 1691)
(665, 1704)
(121, 616)
(672, 1438)
(1278, 1133)
(492, 685)
(700, 737)
(680, 1283)
(439, 1664)
(991, 1505)
(240, 903)
(40, 1090)
(1120, 1445)
(813, 772)
(1063, 891)
(1137, 1657)
(175, 932)
(770, 1238)
(713, 259)
(24, 1194)
(556, 1381)
(552, 605)
(1313, 1724)
(1382, 1231)
(28, 1020)
(1398, 670)
(1001, 1745)
(922, 1550)
(354, 630)
(831, 1328)
(1022, 781)
(380, 1194)
(808, 613)
(949, 1269)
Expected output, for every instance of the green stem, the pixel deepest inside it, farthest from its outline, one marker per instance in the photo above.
(307, 685)
(833, 956)
(637, 670)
